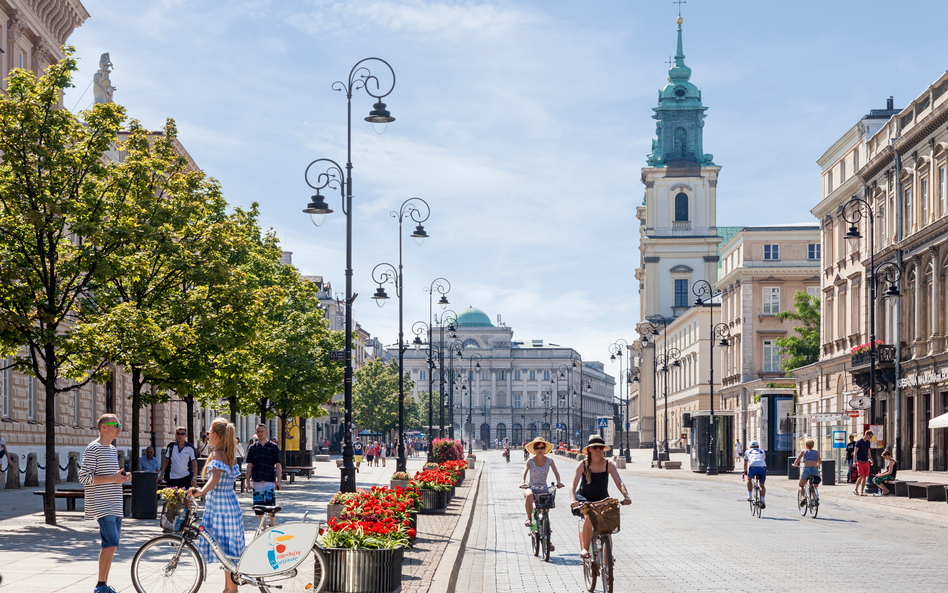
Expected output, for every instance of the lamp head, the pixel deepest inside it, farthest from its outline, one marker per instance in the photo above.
(612, 358)
(317, 209)
(723, 343)
(419, 235)
(443, 302)
(417, 342)
(379, 117)
(676, 364)
(380, 296)
(853, 236)
(892, 291)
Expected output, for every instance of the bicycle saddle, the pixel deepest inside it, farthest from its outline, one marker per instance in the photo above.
(264, 509)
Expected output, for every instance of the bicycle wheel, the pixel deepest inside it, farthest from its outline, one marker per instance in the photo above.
(309, 576)
(167, 563)
(802, 503)
(590, 570)
(545, 535)
(605, 563)
(814, 501)
(535, 534)
(757, 502)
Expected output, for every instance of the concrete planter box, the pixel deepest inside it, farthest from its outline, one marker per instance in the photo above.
(434, 502)
(364, 571)
(471, 460)
(334, 511)
(399, 483)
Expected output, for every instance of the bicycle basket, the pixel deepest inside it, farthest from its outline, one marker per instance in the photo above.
(544, 499)
(604, 515)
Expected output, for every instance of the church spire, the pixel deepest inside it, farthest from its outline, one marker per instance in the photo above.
(679, 72)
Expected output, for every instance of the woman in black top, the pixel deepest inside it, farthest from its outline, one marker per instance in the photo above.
(591, 484)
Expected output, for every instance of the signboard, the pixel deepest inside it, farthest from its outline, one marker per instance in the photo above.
(602, 422)
(783, 424)
(292, 442)
(337, 355)
(839, 439)
(878, 435)
(559, 426)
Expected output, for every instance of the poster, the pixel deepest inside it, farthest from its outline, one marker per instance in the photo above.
(292, 435)
(878, 435)
(783, 424)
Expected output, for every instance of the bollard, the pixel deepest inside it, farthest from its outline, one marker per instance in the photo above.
(13, 471)
(32, 471)
(56, 465)
(72, 467)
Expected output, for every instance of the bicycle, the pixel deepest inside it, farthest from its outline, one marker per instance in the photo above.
(809, 499)
(599, 562)
(755, 504)
(544, 499)
(284, 559)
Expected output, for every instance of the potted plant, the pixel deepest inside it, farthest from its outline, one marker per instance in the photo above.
(336, 504)
(174, 499)
(434, 485)
(447, 450)
(381, 503)
(365, 556)
(400, 480)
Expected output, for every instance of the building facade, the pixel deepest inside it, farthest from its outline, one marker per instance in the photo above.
(520, 390)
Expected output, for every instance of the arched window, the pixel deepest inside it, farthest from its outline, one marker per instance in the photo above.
(516, 435)
(470, 343)
(501, 431)
(485, 434)
(532, 431)
(681, 207)
(546, 432)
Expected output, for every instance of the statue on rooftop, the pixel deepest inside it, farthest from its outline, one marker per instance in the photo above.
(102, 88)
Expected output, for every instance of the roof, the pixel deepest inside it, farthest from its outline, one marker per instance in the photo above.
(472, 317)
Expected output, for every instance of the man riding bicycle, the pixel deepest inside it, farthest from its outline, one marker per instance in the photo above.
(591, 484)
(755, 465)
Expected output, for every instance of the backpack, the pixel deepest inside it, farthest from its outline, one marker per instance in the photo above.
(168, 452)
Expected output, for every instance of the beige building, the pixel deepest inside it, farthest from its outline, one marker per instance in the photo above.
(762, 269)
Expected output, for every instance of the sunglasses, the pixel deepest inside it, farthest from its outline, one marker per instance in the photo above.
(115, 424)
(594, 447)
(181, 434)
(539, 446)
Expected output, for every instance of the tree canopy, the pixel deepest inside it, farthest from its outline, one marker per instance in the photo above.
(803, 349)
(375, 396)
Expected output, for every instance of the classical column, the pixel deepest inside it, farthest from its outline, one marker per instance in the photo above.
(918, 324)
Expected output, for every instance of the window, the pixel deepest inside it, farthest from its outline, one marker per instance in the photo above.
(771, 357)
(470, 343)
(485, 375)
(516, 375)
(942, 187)
(813, 251)
(842, 171)
(22, 61)
(829, 182)
(771, 300)
(882, 225)
(681, 293)
(771, 252)
(908, 211)
(501, 375)
(533, 375)
(516, 399)
(6, 389)
(470, 376)
(856, 160)
(532, 399)
(421, 374)
(485, 398)
(813, 291)
(924, 197)
(681, 207)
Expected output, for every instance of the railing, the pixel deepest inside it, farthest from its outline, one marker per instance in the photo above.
(885, 354)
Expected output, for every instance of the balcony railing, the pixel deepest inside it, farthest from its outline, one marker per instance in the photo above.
(885, 355)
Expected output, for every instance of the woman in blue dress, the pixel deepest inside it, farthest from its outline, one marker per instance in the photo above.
(222, 516)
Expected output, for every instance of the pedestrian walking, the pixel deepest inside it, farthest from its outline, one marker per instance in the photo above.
(102, 479)
(264, 470)
(222, 517)
(863, 462)
(738, 451)
(382, 453)
(204, 446)
(370, 454)
(179, 463)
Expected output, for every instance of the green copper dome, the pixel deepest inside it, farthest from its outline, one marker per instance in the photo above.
(472, 317)
(680, 119)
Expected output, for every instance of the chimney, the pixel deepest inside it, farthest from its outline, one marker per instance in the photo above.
(889, 103)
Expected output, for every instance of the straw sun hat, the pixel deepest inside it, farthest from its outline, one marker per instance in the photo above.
(596, 441)
(530, 446)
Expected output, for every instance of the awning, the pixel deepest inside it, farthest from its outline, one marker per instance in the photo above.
(939, 422)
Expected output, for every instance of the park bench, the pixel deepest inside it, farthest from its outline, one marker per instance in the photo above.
(937, 492)
(71, 495)
(242, 479)
(300, 470)
(672, 465)
(321, 457)
(920, 489)
(900, 487)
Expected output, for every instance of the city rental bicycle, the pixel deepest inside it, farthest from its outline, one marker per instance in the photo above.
(809, 499)
(755, 504)
(281, 559)
(604, 515)
(544, 499)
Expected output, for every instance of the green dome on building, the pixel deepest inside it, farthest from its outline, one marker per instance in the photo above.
(472, 317)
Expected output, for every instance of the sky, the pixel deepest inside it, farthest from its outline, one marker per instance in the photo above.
(523, 124)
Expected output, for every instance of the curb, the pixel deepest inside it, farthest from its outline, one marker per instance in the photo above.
(446, 575)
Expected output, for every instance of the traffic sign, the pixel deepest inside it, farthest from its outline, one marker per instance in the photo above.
(839, 439)
(559, 425)
(602, 423)
(337, 355)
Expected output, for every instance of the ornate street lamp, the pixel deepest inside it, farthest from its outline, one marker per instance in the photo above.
(647, 328)
(385, 273)
(706, 295)
(474, 362)
(335, 178)
(619, 347)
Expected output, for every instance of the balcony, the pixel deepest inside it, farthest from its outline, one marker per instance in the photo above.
(885, 357)
(885, 368)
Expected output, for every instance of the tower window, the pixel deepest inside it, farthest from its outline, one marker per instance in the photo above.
(681, 293)
(681, 207)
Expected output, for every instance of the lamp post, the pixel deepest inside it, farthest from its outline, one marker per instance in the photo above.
(335, 178)
(443, 287)
(616, 348)
(706, 295)
(647, 328)
(583, 388)
(474, 362)
(385, 273)
(559, 373)
(451, 319)
(890, 273)
(669, 358)
(418, 328)
(454, 348)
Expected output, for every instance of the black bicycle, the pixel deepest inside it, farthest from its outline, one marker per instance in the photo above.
(598, 564)
(544, 499)
(755, 503)
(809, 499)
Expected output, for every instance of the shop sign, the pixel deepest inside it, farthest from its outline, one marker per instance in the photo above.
(925, 379)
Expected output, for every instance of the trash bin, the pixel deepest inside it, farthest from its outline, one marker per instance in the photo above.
(145, 495)
(828, 472)
(793, 473)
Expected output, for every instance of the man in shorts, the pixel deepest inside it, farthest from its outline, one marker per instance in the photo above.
(264, 471)
(102, 478)
(755, 464)
(863, 462)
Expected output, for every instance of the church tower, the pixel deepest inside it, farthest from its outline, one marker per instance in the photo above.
(679, 236)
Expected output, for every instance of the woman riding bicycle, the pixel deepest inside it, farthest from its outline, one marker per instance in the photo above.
(811, 465)
(591, 484)
(538, 468)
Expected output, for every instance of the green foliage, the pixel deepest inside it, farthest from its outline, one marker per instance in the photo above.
(805, 348)
(375, 396)
(416, 411)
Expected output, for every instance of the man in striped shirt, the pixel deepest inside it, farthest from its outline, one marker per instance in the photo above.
(103, 478)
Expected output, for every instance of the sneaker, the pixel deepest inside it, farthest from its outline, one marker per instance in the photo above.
(763, 505)
(749, 499)
(802, 502)
(104, 589)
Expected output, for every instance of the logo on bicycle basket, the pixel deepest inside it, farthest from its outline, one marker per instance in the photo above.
(278, 555)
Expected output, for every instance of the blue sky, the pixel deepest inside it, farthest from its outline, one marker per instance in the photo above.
(524, 125)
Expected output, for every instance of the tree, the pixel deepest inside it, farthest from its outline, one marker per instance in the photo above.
(375, 395)
(63, 215)
(805, 348)
(416, 411)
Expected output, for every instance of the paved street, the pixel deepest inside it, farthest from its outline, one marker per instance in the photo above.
(687, 533)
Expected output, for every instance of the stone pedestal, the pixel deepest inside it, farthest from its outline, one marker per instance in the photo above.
(32, 471)
(72, 468)
(13, 471)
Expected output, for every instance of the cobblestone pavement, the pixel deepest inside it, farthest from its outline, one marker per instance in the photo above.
(38, 558)
(686, 534)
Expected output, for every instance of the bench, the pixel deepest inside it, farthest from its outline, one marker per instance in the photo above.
(73, 494)
(901, 487)
(672, 465)
(300, 470)
(937, 492)
(919, 489)
(320, 457)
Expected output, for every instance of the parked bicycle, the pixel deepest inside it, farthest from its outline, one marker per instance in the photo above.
(604, 515)
(544, 499)
(755, 503)
(282, 559)
(809, 499)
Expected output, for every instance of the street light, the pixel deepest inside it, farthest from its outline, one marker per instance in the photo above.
(584, 387)
(615, 348)
(385, 273)
(452, 327)
(559, 373)
(474, 362)
(706, 294)
(335, 178)
(669, 359)
(889, 271)
(647, 328)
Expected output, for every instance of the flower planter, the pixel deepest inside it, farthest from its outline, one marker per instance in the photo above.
(399, 484)
(433, 502)
(451, 496)
(413, 520)
(334, 511)
(470, 461)
(364, 571)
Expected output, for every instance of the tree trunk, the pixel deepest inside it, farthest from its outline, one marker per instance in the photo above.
(136, 414)
(189, 402)
(262, 409)
(52, 468)
(232, 400)
(283, 441)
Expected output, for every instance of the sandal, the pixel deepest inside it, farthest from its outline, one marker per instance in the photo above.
(527, 523)
(856, 492)
(552, 548)
(584, 554)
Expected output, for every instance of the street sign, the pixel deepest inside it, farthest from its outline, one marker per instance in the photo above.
(602, 423)
(559, 425)
(839, 439)
(337, 355)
